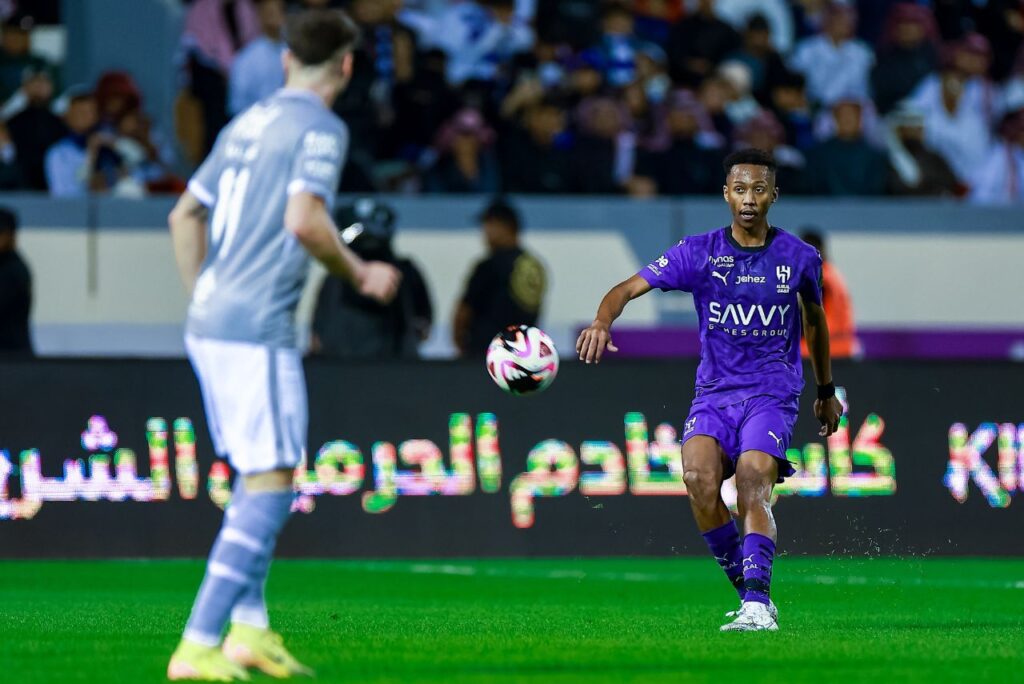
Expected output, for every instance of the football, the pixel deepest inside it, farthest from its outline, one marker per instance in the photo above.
(522, 359)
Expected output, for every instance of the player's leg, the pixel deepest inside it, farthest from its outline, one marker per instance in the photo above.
(262, 513)
(267, 495)
(764, 438)
(756, 473)
(251, 607)
(198, 655)
(704, 469)
(243, 387)
(241, 553)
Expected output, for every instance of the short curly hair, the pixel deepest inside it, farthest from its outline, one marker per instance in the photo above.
(752, 156)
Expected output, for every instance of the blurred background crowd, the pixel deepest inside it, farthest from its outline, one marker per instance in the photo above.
(631, 97)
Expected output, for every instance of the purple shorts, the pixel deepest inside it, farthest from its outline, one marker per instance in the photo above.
(761, 423)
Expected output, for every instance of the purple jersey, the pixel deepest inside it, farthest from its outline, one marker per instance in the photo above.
(746, 300)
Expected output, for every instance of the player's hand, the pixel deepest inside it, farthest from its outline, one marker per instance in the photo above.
(593, 341)
(828, 412)
(378, 280)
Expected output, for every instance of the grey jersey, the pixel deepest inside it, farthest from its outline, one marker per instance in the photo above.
(254, 272)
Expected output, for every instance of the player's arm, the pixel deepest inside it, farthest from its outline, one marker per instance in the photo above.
(307, 219)
(827, 407)
(594, 340)
(188, 235)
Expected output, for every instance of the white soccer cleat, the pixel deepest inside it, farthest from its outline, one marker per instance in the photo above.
(752, 617)
(771, 609)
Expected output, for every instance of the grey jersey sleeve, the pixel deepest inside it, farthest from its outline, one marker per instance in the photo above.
(318, 161)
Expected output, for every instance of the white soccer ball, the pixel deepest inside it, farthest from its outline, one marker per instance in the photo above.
(522, 359)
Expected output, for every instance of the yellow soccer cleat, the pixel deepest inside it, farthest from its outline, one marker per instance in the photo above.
(263, 649)
(204, 663)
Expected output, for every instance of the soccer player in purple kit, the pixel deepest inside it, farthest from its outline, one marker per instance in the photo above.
(749, 281)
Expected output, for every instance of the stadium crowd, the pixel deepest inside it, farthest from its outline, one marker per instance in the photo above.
(637, 97)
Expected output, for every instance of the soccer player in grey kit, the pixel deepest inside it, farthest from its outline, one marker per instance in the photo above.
(255, 212)
(750, 281)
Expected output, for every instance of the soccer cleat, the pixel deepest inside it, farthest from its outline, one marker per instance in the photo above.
(771, 609)
(205, 663)
(752, 617)
(263, 649)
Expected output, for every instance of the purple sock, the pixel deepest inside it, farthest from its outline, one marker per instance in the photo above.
(724, 543)
(758, 552)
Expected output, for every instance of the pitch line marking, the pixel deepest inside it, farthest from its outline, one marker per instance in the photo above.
(561, 574)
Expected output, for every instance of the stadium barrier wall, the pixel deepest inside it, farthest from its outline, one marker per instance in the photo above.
(106, 282)
(112, 458)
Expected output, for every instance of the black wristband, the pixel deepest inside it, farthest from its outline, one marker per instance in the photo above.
(826, 391)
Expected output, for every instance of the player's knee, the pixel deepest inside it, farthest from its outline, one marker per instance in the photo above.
(756, 469)
(272, 481)
(701, 483)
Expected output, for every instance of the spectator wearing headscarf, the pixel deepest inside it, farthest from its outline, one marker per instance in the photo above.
(958, 110)
(121, 114)
(835, 63)
(215, 30)
(908, 52)
(116, 94)
(741, 105)
(1000, 179)
(972, 56)
(466, 159)
(914, 169)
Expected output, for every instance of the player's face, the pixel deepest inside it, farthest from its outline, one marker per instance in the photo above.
(750, 191)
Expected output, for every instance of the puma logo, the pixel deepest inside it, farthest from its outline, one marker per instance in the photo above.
(778, 440)
(723, 278)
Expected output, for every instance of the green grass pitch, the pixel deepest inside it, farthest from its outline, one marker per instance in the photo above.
(558, 621)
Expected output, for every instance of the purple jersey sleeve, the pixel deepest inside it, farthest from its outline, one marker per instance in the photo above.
(810, 281)
(673, 270)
